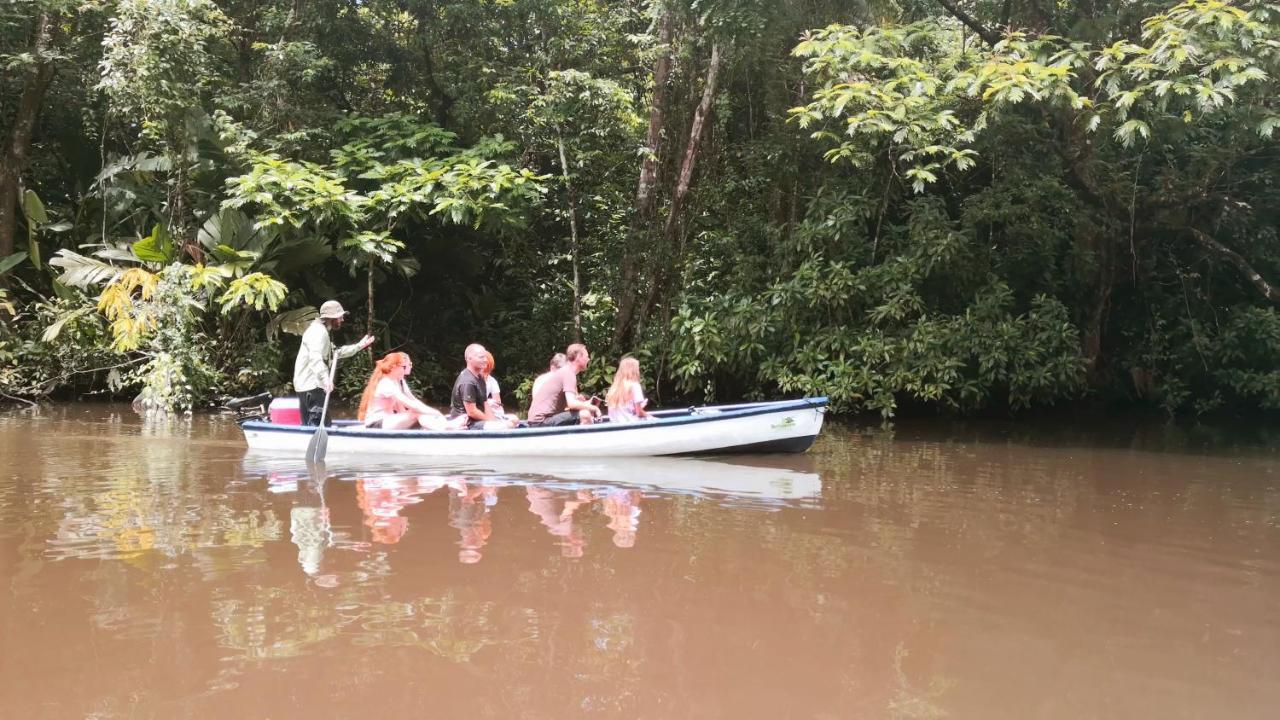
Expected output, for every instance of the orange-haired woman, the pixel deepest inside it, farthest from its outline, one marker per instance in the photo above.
(387, 402)
(494, 394)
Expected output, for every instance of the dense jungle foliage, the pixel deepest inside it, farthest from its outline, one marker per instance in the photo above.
(962, 204)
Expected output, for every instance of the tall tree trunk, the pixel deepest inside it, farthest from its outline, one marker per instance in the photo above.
(669, 263)
(442, 101)
(1077, 152)
(573, 239)
(14, 156)
(368, 323)
(640, 230)
(696, 132)
(1099, 304)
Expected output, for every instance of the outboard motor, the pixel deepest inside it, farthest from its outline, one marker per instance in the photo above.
(250, 408)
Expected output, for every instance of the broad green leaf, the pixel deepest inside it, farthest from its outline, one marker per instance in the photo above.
(157, 247)
(51, 333)
(33, 208)
(10, 262)
(33, 246)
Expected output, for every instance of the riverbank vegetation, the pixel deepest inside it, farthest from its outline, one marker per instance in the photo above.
(957, 204)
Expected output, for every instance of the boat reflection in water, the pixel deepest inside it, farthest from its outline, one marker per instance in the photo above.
(564, 496)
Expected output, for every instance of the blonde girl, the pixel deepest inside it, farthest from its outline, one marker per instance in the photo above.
(626, 399)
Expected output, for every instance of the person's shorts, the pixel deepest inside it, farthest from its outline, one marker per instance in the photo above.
(568, 417)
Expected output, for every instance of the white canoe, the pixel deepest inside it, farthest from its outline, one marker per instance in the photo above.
(785, 426)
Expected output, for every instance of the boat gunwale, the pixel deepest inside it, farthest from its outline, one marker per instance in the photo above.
(744, 410)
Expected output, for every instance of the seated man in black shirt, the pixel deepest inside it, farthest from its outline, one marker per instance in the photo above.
(470, 395)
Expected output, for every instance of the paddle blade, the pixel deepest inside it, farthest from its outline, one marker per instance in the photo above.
(316, 448)
(316, 471)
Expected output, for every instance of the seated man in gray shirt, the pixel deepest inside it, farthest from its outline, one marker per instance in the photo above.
(470, 396)
(556, 401)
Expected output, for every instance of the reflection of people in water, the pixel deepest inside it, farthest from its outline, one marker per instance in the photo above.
(556, 508)
(623, 508)
(469, 512)
(309, 525)
(382, 499)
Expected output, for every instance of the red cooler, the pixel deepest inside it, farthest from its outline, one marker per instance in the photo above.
(285, 411)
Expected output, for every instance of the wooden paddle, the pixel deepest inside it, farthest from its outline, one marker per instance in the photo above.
(320, 441)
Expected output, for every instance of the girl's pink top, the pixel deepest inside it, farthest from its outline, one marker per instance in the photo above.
(385, 401)
(628, 411)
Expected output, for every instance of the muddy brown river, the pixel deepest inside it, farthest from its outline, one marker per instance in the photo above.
(159, 570)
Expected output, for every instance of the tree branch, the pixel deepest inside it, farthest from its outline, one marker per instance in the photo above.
(1268, 291)
(990, 36)
(18, 399)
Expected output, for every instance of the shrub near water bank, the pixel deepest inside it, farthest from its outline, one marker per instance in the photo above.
(78, 360)
(155, 346)
(930, 321)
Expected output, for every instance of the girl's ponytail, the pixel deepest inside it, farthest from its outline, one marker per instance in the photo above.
(380, 370)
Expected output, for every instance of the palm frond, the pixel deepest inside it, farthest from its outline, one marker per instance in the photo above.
(293, 322)
(83, 272)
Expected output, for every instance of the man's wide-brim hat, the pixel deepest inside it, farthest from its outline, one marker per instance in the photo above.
(332, 309)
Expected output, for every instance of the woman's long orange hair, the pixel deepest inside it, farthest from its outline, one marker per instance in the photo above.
(380, 370)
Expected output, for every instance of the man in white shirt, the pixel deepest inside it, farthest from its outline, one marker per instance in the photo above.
(311, 369)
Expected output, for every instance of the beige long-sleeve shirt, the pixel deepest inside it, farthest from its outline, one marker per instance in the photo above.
(311, 369)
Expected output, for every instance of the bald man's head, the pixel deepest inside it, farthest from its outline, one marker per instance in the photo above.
(477, 357)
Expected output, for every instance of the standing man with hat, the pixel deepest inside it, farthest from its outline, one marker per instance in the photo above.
(311, 369)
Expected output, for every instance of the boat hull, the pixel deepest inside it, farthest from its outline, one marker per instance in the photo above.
(788, 426)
